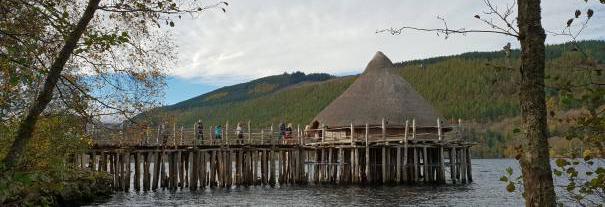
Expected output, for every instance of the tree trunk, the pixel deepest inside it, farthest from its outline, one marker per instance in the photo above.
(535, 162)
(26, 127)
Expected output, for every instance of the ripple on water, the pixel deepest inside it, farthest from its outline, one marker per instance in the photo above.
(486, 190)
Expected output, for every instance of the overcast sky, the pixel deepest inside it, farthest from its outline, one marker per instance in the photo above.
(257, 38)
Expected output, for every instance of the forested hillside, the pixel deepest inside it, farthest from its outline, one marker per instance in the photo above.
(249, 90)
(478, 87)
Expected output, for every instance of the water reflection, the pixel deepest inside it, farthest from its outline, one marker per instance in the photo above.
(486, 190)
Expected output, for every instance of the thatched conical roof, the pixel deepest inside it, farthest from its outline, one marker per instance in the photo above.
(376, 94)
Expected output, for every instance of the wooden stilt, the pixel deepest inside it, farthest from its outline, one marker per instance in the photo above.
(146, 172)
(398, 165)
(384, 165)
(156, 170)
(425, 165)
(416, 160)
(272, 169)
(367, 154)
(469, 165)
(452, 156)
(127, 171)
(194, 169)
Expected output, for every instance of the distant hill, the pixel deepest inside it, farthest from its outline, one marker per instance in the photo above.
(471, 86)
(249, 90)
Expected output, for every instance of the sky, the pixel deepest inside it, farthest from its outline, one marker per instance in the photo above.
(254, 38)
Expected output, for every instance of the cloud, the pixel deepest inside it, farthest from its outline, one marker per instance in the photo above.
(258, 38)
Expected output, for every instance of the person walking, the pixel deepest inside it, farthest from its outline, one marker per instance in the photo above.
(200, 132)
(282, 130)
(239, 133)
(289, 131)
(218, 133)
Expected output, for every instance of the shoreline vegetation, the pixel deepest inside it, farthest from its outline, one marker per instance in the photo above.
(47, 175)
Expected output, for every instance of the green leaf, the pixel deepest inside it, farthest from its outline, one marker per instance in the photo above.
(510, 187)
(509, 170)
(561, 162)
(504, 179)
(571, 186)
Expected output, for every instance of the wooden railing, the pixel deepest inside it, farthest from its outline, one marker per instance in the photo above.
(180, 136)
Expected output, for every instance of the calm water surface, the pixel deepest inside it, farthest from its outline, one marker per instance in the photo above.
(486, 190)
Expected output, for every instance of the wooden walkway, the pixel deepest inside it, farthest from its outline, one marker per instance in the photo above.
(146, 159)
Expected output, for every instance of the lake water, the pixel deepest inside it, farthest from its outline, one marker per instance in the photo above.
(486, 190)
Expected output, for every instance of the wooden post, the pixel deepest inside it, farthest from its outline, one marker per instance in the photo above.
(249, 132)
(367, 170)
(439, 129)
(272, 166)
(425, 165)
(441, 165)
(405, 151)
(453, 164)
(398, 165)
(271, 135)
(316, 166)
(213, 168)
(165, 160)
(352, 134)
(339, 170)
(137, 171)
(174, 135)
(254, 166)
(459, 128)
(413, 128)
(384, 132)
(205, 167)
(262, 135)
(469, 173)
(356, 164)
(156, 170)
(463, 165)
(330, 161)
(416, 160)
(226, 133)
(384, 164)
(195, 134)
(179, 165)
(181, 143)
(146, 173)
(127, 171)
(194, 168)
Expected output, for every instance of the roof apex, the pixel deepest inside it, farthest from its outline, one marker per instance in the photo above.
(379, 61)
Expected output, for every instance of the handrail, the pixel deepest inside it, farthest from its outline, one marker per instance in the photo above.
(173, 136)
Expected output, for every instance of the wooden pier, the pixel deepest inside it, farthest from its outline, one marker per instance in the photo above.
(177, 158)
